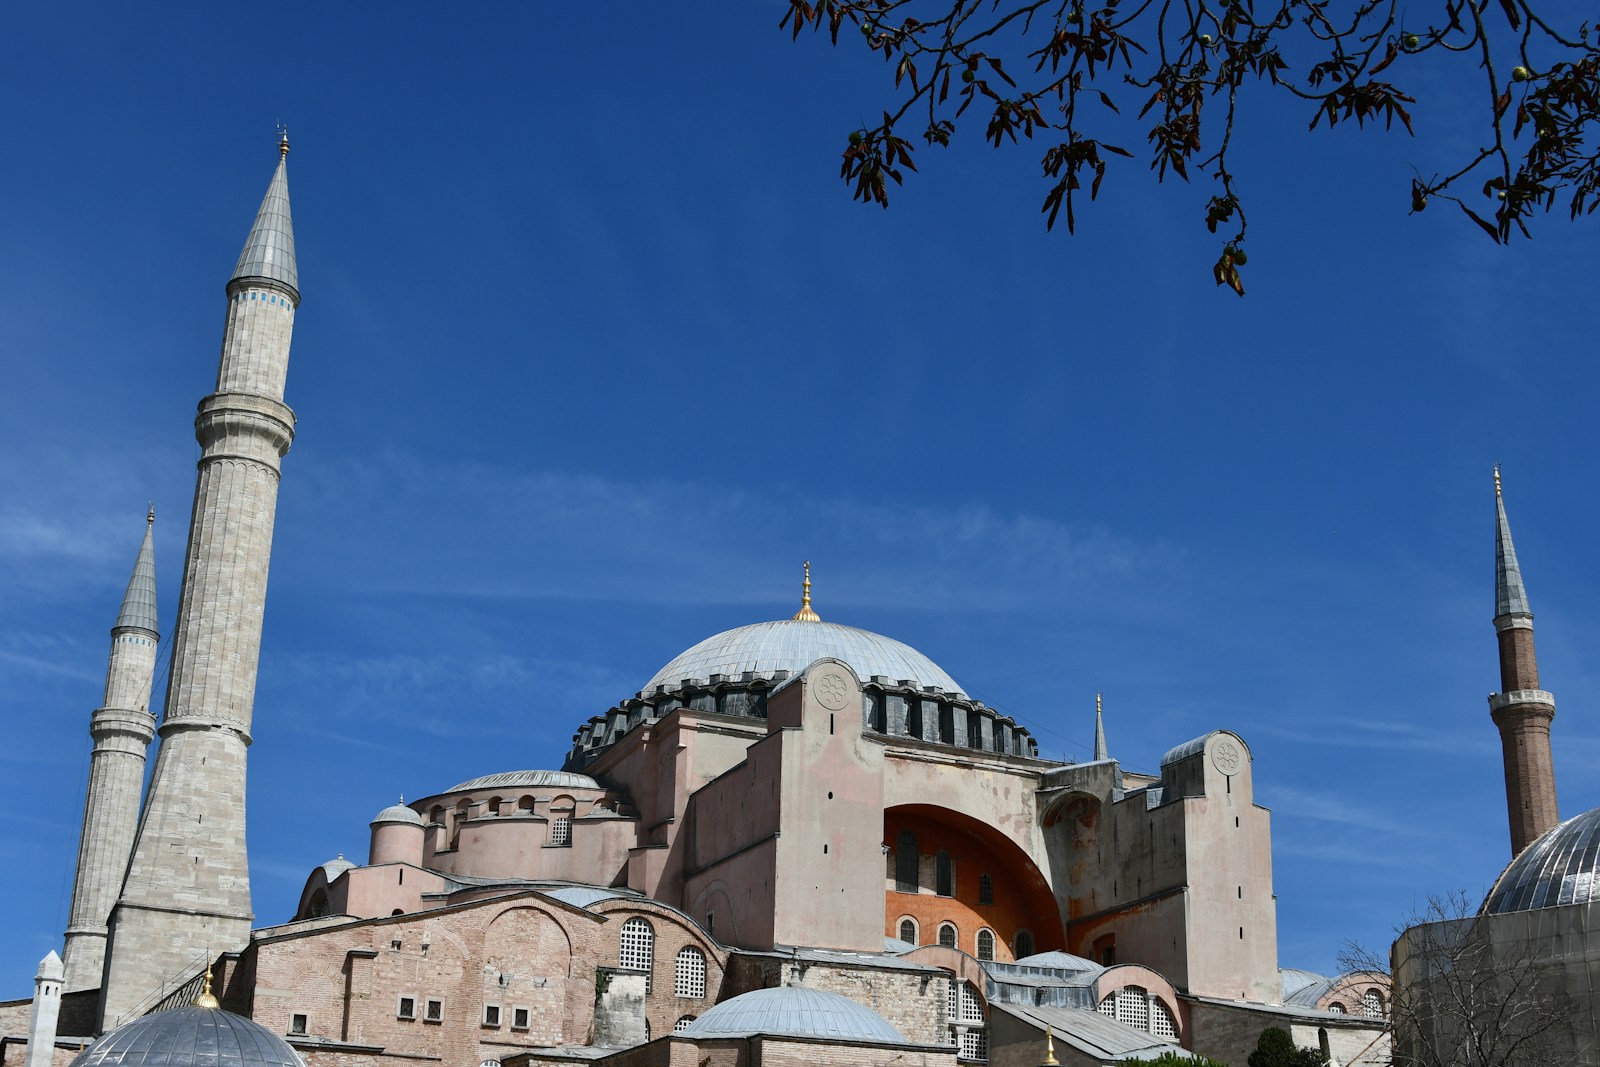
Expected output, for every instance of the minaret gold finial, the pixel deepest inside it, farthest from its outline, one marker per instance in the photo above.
(150, 516)
(283, 140)
(1049, 1048)
(805, 614)
(1497, 481)
(207, 999)
(1097, 706)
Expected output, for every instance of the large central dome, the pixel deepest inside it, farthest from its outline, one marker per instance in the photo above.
(792, 645)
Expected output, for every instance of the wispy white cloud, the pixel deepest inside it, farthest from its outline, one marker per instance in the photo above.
(1337, 808)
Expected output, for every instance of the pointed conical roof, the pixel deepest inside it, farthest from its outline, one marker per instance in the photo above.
(269, 250)
(139, 602)
(1100, 751)
(1510, 596)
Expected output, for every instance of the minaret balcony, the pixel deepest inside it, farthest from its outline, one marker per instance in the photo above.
(1500, 701)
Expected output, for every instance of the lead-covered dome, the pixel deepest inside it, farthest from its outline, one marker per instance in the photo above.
(794, 1011)
(190, 1037)
(1557, 868)
(793, 645)
(529, 780)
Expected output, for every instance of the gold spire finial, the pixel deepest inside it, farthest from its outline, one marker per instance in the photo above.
(805, 614)
(150, 516)
(1049, 1048)
(283, 140)
(207, 999)
(1497, 481)
(1097, 706)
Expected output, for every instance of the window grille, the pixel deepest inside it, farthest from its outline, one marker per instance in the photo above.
(947, 935)
(682, 1024)
(985, 889)
(951, 1000)
(435, 1012)
(638, 947)
(1336, 1008)
(519, 1018)
(1372, 1004)
(1108, 1006)
(1161, 1022)
(986, 944)
(1024, 944)
(561, 831)
(974, 1045)
(908, 931)
(971, 1006)
(407, 1008)
(1133, 1008)
(491, 1015)
(689, 973)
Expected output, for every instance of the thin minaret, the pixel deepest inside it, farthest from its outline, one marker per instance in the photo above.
(1100, 751)
(187, 891)
(122, 728)
(1521, 710)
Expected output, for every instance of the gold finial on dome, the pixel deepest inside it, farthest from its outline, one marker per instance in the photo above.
(1049, 1048)
(805, 614)
(1497, 480)
(207, 999)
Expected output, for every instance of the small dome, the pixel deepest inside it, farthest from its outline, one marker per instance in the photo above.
(581, 896)
(398, 813)
(795, 1011)
(335, 867)
(190, 1037)
(791, 645)
(1557, 868)
(1061, 961)
(528, 779)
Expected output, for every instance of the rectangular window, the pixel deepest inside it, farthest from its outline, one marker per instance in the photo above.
(435, 1012)
(519, 1017)
(561, 832)
(407, 1008)
(491, 1015)
(297, 1024)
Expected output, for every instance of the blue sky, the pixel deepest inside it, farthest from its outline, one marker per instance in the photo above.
(595, 349)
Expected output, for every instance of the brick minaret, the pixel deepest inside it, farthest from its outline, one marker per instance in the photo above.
(122, 728)
(187, 892)
(1521, 710)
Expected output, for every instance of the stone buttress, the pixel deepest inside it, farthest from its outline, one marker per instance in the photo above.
(187, 892)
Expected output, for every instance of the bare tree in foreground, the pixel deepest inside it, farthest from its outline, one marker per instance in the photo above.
(1069, 70)
(1463, 997)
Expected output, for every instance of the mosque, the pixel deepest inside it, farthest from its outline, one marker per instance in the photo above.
(798, 841)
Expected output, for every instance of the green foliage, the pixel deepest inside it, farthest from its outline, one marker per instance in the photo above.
(1174, 1059)
(1275, 1048)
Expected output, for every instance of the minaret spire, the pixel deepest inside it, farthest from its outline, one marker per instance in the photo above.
(122, 728)
(187, 890)
(1100, 752)
(1522, 710)
(805, 614)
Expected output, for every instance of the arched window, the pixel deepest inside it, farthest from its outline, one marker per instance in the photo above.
(494, 805)
(1372, 1004)
(947, 935)
(985, 889)
(908, 931)
(689, 973)
(969, 1022)
(986, 944)
(1336, 1008)
(638, 948)
(1139, 1008)
(436, 815)
(906, 860)
(525, 805)
(682, 1024)
(1024, 944)
(1133, 1007)
(944, 875)
(462, 813)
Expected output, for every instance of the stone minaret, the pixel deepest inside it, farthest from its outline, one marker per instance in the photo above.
(122, 728)
(45, 1013)
(187, 892)
(1521, 710)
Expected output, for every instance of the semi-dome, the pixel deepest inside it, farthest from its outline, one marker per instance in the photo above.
(793, 645)
(335, 867)
(794, 1011)
(530, 780)
(190, 1037)
(1559, 867)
